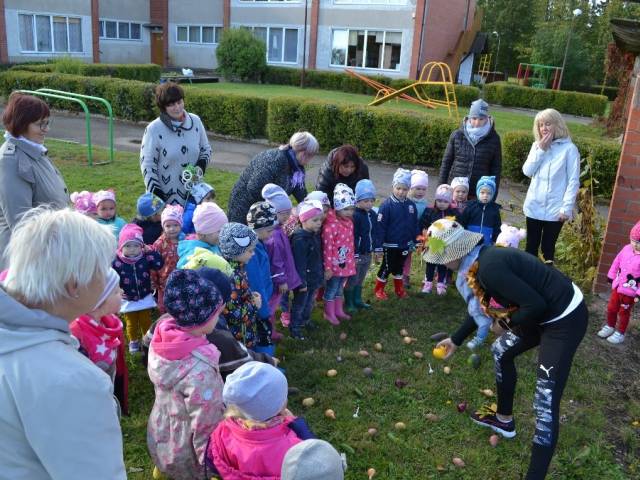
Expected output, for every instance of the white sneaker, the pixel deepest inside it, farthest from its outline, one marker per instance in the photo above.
(426, 287)
(474, 343)
(616, 338)
(606, 331)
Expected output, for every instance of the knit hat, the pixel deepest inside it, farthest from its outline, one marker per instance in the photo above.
(444, 192)
(130, 233)
(312, 460)
(276, 196)
(510, 236)
(258, 389)
(447, 241)
(365, 190)
(486, 182)
(235, 239)
(322, 197)
(111, 282)
(102, 195)
(84, 203)
(479, 108)
(219, 279)
(190, 298)
(343, 197)
(261, 215)
(402, 176)
(309, 209)
(172, 213)
(419, 178)
(201, 257)
(460, 182)
(201, 190)
(149, 204)
(635, 232)
(208, 218)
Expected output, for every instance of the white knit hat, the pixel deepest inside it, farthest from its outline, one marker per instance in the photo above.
(447, 241)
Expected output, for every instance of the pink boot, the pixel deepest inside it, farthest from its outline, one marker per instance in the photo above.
(330, 312)
(285, 319)
(339, 302)
(441, 288)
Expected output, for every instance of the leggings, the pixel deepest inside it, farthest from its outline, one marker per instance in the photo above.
(392, 263)
(432, 269)
(543, 235)
(619, 311)
(558, 343)
(137, 324)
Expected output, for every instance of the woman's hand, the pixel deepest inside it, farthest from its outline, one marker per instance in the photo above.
(327, 275)
(545, 142)
(449, 345)
(563, 218)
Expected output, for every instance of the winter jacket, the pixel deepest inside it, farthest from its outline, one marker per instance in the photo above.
(188, 402)
(151, 231)
(555, 179)
(337, 245)
(307, 255)
(168, 250)
(398, 222)
(482, 218)
(187, 247)
(259, 275)
(283, 268)
(135, 279)
(58, 417)
(625, 272)
(327, 181)
(115, 224)
(433, 214)
(240, 315)
(463, 159)
(366, 231)
(27, 179)
(271, 166)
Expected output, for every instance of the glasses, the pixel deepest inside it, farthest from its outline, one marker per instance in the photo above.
(44, 125)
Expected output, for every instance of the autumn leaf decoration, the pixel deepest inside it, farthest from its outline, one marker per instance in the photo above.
(436, 245)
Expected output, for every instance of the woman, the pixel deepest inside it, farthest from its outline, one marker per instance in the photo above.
(553, 165)
(343, 165)
(27, 176)
(540, 307)
(283, 166)
(170, 144)
(58, 417)
(474, 150)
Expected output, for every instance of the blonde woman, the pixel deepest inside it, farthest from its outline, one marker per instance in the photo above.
(553, 165)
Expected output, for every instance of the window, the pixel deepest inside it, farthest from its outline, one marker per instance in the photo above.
(50, 33)
(282, 43)
(198, 34)
(374, 49)
(271, 1)
(112, 29)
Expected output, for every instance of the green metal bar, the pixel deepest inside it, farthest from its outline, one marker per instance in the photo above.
(104, 101)
(86, 115)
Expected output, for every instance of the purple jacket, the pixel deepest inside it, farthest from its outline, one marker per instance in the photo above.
(283, 268)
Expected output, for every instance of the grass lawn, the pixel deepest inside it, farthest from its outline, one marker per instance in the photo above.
(505, 121)
(602, 398)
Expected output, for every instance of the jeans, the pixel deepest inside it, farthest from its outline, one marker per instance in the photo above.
(363, 262)
(333, 289)
(301, 308)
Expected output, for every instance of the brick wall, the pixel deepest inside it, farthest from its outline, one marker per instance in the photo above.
(4, 53)
(313, 35)
(159, 14)
(95, 30)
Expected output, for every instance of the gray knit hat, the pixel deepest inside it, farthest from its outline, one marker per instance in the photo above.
(479, 108)
(235, 239)
(312, 460)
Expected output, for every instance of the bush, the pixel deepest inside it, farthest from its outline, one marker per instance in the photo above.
(241, 56)
(610, 92)
(142, 72)
(575, 103)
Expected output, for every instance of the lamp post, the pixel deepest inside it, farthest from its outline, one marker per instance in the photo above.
(495, 69)
(576, 13)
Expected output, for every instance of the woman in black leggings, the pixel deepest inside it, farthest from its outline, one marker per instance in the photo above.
(540, 307)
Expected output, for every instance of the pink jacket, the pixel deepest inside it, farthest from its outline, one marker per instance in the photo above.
(188, 403)
(242, 454)
(625, 272)
(337, 245)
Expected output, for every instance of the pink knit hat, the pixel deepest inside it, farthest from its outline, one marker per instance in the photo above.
(130, 233)
(172, 213)
(102, 195)
(419, 178)
(309, 209)
(208, 218)
(444, 192)
(83, 202)
(635, 232)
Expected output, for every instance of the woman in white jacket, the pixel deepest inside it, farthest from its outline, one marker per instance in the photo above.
(553, 165)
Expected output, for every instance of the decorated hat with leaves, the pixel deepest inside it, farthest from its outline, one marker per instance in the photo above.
(447, 240)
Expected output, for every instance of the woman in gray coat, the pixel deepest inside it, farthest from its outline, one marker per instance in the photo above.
(27, 176)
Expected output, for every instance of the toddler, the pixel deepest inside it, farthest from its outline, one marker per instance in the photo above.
(313, 460)
(134, 263)
(200, 193)
(624, 276)
(510, 236)
(148, 208)
(418, 195)
(83, 202)
(337, 252)
(183, 367)
(167, 247)
(105, 201)
(398, 222)
(208, 219)
(483, 215)
(460, 186)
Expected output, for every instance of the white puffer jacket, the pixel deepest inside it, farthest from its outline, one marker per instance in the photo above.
(555, 179)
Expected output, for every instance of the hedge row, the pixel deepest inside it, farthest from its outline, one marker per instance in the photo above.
(575, 103)
(142, 72)
(610, 92)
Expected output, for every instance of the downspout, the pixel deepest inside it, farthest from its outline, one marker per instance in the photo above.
(424, 19)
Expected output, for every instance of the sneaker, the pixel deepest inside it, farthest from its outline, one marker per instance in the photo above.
(474, 343)
(487, 417)
(606, 331)
(441, 288)
(616, 338)
(285, 319)
(134, 346)
(426, 288)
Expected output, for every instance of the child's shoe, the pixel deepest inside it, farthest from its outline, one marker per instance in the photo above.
(616, 338)
(398, 286)
(330, 312)
(379, 290)
(285, 319)
(487, 417)
(606, 331)
(338, 310)
(134, 346)
(474, 343)
(426, 288)
(441, 288)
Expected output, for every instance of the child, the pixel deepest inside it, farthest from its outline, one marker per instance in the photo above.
(183, 367)
(200, 193)
(167, 247)
(105, 201)
(365, 233)
(624, 276)
(313, 460)
(417, 194)
(283, 269)
(292, 224)
(337, 252)
(441, 209)
(307, 255)
(258, 430)
(149, 207)
(134, 263)
(398, 222)
(208, 219)
(460, 186)
(83, 202)
(510, 236)
(483, 215)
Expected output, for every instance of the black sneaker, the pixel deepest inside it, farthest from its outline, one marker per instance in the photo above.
(487, 417)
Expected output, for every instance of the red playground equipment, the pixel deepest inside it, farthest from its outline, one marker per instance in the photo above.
(539, 76)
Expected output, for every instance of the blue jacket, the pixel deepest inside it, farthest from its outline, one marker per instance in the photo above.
(398, 223)
(430, 215)
(186, 248)
(366, 231)
(307, 255)
(187, 217)
(116, 224)
(482, 218)
(135, 279)
(259, 275)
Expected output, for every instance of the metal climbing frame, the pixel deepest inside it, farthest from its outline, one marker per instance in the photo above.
(484, 68)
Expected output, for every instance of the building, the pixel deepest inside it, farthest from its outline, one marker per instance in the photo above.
(391, 37)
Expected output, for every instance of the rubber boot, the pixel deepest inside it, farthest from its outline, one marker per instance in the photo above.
(357, 298)
(349, 304)
(379, 290)
(330, 312)
(340, 313)
(398, 285)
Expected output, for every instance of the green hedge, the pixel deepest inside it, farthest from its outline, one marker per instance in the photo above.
(604, 155)
(141, 72)
(610, 92)
(575, 103)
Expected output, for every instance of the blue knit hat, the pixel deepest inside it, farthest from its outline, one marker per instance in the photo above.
(365, 189)
(190, 298)
(402, 176)
(343, 197)
(486, 182)
(235, 239)
(201, 190)
(149, 205)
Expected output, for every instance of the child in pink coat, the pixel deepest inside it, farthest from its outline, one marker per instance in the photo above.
(183, 367)
(624, 276)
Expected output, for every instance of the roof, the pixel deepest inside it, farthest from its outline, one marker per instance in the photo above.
(626, 34)
(479, 44)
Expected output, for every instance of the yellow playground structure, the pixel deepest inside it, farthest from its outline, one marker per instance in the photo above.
(432, 74)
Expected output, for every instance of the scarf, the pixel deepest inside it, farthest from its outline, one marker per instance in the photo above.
(100, 339)
(175, 125)
(39, 146)
(478, 133)
(130, 260)
(298, 173)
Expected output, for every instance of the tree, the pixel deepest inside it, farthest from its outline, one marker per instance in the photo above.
(241, 56)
